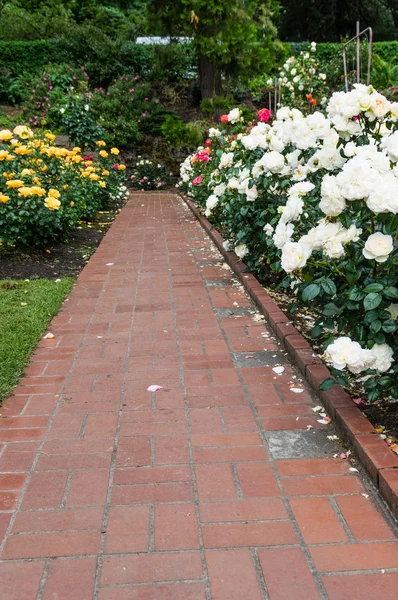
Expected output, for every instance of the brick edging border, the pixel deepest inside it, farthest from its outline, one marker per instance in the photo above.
(378, 460)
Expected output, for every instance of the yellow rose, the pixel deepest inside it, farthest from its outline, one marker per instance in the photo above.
(36, 180)
(14, 183)
(27, 172)
(3, 154)
(115, 151)
(53, 193)
(77, 159)
(50, 137)
(100, 143)
(72, 203)
(65, 187)
(86, 174)
(21, 150)
(4, 198)
(88, 162)
(25, 191)
(94, 176)
(105, 172)
(5, 135)
(23, 132)
(52, 203)
(103, 153)
(10, 157)
(102, 184)
(121, 167)
(37, 191)
(76, 149)
(8, 175)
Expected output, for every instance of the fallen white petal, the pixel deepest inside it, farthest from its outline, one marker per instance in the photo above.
(278, 370)
(317, 408)
(297, 390)
(154, 388)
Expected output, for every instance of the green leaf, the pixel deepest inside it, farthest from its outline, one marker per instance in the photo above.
(373, 395)
(356, 294)
(380, 338)
(375, 326)
(389, 326)
(372, 301)
(316, 331)
(391, 292)
(374, 287)
(330, 309)
(310, 292)
(329, 286)
(327, 384)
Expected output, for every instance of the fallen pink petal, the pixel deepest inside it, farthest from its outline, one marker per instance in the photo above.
(154, 388)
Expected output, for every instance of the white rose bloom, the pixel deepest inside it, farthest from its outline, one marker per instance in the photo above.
(333, 249)
(382, 357)
(322, 76)
(332, 203)
(226, 160)
(283, 113)
(211, 202)
(273, 162)
(294, 256)
(378, 247)
(219, 189)
(346, 353)
(283, 234)
(384, 197)
(233, 183)
(252, 141)
(379, 106)
(293, 71)
(251, 193)
(301, 189)
(276, 144)
(227, 245)
(62, 110)
(391, 144)
(241, 250)
(293, 209)
(394, 110)
(393, 310)
(357, 179)
(213, 132)
(234, 115)
(269, 230)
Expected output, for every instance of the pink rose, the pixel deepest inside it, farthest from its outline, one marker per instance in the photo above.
(264, 115)
(197, 180)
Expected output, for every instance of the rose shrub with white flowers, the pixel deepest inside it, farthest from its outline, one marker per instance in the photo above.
(314, 201)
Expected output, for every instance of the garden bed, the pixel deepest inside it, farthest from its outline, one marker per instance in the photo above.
(64, 258)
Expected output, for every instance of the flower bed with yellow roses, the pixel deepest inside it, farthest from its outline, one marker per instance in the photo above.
(46, 190)
(313, 200)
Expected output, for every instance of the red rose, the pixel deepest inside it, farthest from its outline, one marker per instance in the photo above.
(264, 115)
(224, 118)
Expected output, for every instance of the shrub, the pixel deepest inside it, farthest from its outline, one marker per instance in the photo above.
(45, 191)
(127, 110)
(79, 124)
(148, 175)
(313, 199)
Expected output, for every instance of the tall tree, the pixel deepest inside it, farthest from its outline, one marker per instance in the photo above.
(231, 37)
(331, 20)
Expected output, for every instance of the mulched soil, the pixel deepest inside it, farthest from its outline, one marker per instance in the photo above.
(64, 259)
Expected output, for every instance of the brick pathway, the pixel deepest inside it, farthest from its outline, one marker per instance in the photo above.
(222, 486)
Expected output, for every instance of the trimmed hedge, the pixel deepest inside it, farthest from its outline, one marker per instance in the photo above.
(17, 56)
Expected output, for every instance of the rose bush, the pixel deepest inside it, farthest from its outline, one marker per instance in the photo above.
(46, 190)
(149, 175)
(314, 200)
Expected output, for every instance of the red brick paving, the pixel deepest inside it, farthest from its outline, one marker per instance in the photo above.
(109, 492)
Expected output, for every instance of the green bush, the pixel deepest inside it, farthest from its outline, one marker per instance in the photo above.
(148, 175)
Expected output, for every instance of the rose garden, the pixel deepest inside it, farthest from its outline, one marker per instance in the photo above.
(198, 301)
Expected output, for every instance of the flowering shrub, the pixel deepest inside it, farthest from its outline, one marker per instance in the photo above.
(48, 98)
(46, 190)
(126, 110)
(148, 175)
(301, 85)
(314, 200)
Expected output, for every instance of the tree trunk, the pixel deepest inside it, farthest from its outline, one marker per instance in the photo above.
(210, 78)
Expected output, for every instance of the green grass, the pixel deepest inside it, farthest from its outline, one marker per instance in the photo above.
(26, 308)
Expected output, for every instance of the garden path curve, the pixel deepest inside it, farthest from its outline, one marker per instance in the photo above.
(223, 485)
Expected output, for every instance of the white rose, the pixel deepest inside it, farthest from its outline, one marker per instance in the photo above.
(226, 160)
(346, 353)
(234, 115)
(219, 189)
(391, 144)
(62, 110)
(241, 250)
(227, 245)
(269, 230)
(294, 256)
(213, 132)
(293, 209)
(283, 234)
(382, 357)
(251, 193)
(211, 202)
(393, 310)
(378, 247)
(332, 203)
(333, 249)
(273, 161)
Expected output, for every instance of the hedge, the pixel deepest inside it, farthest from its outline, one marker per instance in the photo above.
(17, 56)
